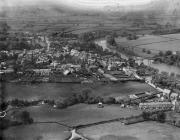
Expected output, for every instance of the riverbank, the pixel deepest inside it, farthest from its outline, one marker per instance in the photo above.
(159, 68)
(139, 59)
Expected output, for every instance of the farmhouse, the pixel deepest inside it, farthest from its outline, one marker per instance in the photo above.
(142, 95)
(156, 106)
(176, 106)
(42, 72)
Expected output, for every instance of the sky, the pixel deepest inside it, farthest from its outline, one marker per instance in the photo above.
(78, 4)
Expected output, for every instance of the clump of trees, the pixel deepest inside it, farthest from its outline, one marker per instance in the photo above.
(144, 70)
(163, 80)
(132, 36)
(25, 117)
(22, 118)
(129, 35)
(155, 116)
(90, 47)
(23, 103)
(3, 106)
(4, 31)
(148, 52)
(162, 30)
(161, 53)
(168, 57)
(161, 117)
(146, 115)
(110, 40)
(131, 62)
(86, 37)
(26, 103)
(4, 28)
(167, 53)
(143, 50)
(11, 43)
(6, 123)
(84, 97)
(91, 36)
(109, 100)
(63, 35)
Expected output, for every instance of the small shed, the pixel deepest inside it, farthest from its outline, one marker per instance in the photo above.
(100, 105)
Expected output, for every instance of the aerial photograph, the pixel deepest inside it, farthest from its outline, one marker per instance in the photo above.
(89, 69)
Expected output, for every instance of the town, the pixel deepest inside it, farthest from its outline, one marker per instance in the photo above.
(115, 78)
(68, 58)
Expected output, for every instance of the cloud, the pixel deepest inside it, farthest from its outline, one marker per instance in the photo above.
(98, 4)
(80, 4)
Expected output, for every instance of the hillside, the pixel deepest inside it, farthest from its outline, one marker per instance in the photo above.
(52, 17)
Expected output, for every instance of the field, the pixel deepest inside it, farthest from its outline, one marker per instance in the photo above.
(56, 91)
(37, 132)
(53, 21)
(79, 114)
(75, 115)
(49, 20)
(152, 43)
(140, 131)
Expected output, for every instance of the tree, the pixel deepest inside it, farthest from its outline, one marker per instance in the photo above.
(114, 34)
(4, 28)
(168, 53)
(109, 100)
(146, 115)
(86, 37)
(161, 53)
(110, 40)
(25, 118)
(85, 94)
(71, 101)
(61, 104)
(94, 100)
(144, 50)
(39, 138)
(148, 52)
(131, 62)
(132, 36)
(3, 106)
(161, 117)
(172, 74)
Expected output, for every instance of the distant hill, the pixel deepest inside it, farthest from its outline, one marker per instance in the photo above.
(164, 11)
(169, 10)
(45, 16)
(28, 17)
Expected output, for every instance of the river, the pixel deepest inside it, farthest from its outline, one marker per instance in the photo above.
(161, 67)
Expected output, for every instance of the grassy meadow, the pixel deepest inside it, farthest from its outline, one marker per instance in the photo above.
(80, 114)
(139, 131)
(153, 43)
(37, 132)
(54, 91)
